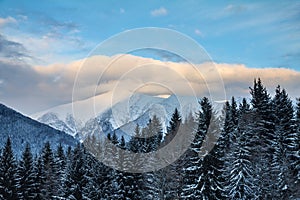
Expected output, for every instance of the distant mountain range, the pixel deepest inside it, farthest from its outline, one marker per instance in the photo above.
(22, 130)
(121, 117)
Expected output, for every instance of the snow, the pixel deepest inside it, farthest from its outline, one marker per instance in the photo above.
(81, 117)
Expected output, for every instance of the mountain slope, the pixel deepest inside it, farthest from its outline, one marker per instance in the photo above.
(121, 116)
(22, 129)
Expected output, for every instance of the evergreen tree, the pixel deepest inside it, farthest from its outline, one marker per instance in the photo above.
(239, 171)
(26, 176)
(171, 175)
(50, 185)
(220, 152)
(264, 138)
(114, 139)
(76, 176)
(152, 179)
(194, 174)
(38, 179)
(122, 143)
(173, 127)
(60, 162)
(295, 158)
(285, 133)
(8, 174)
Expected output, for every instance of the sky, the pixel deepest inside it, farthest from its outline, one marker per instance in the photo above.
(41, 42)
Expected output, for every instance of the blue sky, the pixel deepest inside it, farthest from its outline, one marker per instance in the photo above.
(258, 34)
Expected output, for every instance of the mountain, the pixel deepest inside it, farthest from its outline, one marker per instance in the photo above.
(22, 130)
(67, 125)
(121, 116)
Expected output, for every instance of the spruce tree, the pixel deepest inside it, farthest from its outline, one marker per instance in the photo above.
(60, 163)
(76, 181)
(152, 179)
(239, 170)
(171, 174)
(173, 127)
(296, 156)
(50, 186)
(39, 179)
(26, 176)
(8, 174)
(285, 133)
(220, 152)
(264, 138)
(194, 173)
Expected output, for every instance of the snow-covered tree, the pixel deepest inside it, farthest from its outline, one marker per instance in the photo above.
(239, 170)
(50, 183)
(60, 164)
(285, 133)
(194, 174)
(264, 142)
(8, 174)
(76, 181)
(26, 175)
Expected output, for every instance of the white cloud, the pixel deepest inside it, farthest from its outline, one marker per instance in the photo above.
(7, 20)
(52, 85)
(159, 12)
(198, 32)
(122, 10)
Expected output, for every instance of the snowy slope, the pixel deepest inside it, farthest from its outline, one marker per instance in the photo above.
(123, 115)
(22, 130)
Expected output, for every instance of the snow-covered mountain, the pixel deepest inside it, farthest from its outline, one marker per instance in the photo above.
(67, 125)
(22, 130)
(121, 116)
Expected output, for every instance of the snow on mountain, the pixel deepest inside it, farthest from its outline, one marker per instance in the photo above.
(121, 116)
(22, 130)
(68, 125)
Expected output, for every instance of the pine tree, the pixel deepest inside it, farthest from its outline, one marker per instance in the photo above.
(171, 174)
(194, 173)
(26, 176)
(239, 170)
(8, 174)
(220, 152)
(122, 143)
(285, 133)
(152, 179)
(75, 179)
(114, 139)
(264, 142)
(60, 163)
(39, 179)
(173, 127)
(295, 158)
(50, 186)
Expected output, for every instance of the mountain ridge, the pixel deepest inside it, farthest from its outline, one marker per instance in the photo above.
(22, 129)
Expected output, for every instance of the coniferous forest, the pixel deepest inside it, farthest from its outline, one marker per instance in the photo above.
(254, 154)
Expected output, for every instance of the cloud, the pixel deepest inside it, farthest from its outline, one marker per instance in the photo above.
(198, 32)
(159, 12)
(35, 88)
(7, 20)
(12, 50)
(235, 9)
